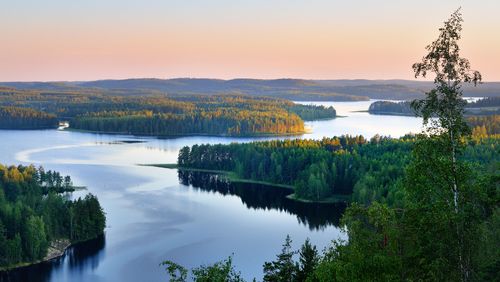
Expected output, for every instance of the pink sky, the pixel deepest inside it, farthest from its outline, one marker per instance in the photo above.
(318, 39)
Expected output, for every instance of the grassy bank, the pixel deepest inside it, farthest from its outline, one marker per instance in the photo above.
(330, 200)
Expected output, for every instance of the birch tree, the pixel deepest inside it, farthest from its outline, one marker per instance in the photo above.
(439, 183)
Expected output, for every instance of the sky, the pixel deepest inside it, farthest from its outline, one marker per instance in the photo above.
(61, 40)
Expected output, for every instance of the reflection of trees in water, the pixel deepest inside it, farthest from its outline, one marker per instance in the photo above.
(258, 196)
(79, 257)
(39, 272)
(86, 254)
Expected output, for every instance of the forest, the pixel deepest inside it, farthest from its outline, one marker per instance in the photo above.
(34, 213)
(366, 170)
(157, 115)
(25, 118)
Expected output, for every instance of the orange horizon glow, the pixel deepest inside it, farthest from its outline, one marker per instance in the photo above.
(55, 41)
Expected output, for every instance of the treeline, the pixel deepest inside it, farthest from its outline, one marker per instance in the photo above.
(485, 103)
(321, 169)
(235, 115)
(52, 181)
(318, 169)
(313, 112)
(284, 269)
(484, 125)
(25, 118)
(234, 122)
(486, 106)
(394, 108)
(33, 214)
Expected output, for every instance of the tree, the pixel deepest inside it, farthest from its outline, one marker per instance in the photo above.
(67, 182)
(441, 197)
(183, 158)
(3, 245)
(222, 271)
(35, 238)
(283, 269)
(372, 252)
(445, 100)
(176, 272)
(308, 260)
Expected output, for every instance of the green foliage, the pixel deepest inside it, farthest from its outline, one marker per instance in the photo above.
(176, 272)
(372, 252)
(283, 269)
(87, 219)
(445, 225)
(308, 262)
(488, 256)
(222, 271)
(312, 112)
(392, 108)
(451, 196)
(34, 238)
(318, 169)
(32, 213)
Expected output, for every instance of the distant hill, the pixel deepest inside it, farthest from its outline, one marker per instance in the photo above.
(292, 89)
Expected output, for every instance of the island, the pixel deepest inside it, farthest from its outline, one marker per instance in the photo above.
(156, 114)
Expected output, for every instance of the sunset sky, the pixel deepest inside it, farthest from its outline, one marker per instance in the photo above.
(55, 40)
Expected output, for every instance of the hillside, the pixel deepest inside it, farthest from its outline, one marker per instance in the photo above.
(292, 89)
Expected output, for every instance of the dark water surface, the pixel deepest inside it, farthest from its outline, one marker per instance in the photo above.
(155, 214)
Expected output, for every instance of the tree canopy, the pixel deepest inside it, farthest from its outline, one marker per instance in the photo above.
(33, 213)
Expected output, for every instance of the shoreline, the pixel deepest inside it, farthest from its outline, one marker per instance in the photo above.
(233, 178)
(56, 249)
(165, 136)
(392, 114)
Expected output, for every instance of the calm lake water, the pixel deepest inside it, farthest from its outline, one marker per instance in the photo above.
(155, 214)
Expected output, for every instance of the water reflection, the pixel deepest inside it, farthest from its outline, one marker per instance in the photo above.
(316, 216)
(87, 255)
(79, 258)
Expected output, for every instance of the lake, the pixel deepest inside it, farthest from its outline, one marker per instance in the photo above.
(155, 214)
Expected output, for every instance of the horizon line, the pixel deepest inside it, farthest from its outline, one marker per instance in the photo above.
(222, 79)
